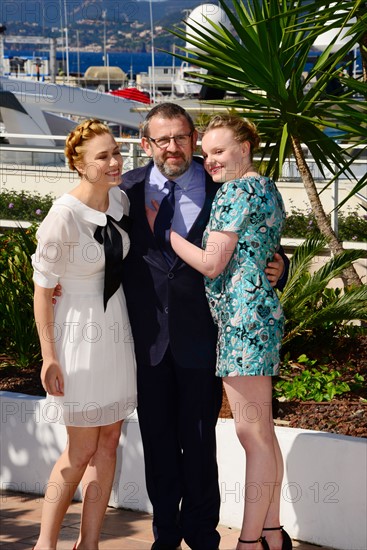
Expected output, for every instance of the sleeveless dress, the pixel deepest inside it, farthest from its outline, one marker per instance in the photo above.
(244, 306)
(94, 347)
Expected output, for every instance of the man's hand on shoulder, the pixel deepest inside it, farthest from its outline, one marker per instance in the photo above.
(275, 269)
(57, 293)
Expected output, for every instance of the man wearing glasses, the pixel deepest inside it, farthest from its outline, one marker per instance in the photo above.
(179, 397)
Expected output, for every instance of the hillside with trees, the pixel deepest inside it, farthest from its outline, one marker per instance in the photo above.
(126, 25)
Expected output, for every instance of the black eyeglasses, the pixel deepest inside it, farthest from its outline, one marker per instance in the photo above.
(164, 142)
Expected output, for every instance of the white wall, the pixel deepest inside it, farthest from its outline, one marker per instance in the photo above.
(324, 486)
(21, 175)
(324, 490)
(30, 447)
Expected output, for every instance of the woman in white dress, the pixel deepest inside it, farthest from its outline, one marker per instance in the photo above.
(88, 368)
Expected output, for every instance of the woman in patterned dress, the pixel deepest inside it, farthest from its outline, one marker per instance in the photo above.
(88, 368)
(242, 235)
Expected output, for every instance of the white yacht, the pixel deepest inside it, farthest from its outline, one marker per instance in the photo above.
(33, 107)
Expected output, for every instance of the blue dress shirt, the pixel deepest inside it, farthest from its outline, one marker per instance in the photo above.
(189, 195)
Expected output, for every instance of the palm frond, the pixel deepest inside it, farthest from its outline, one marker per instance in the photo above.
(275, 93)
(334, 267)
(304, 297)
(308, 292)
(348, 307)
(300, 264)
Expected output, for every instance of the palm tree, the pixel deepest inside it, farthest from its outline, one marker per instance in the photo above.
(264, 66)
(363, 48)
(307, 302)
(363, 42)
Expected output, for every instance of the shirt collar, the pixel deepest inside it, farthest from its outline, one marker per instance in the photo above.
(157, 178)
(184, 181)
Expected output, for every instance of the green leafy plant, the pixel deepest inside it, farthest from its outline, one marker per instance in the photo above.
(301, 224)
(18, 331)
(309, 305)
(21, 205)
(262, 59)
(312, 382)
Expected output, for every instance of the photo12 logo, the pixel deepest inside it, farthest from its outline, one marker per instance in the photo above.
(54, 12)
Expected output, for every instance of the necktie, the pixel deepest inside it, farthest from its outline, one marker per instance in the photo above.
(164, 219)
(111, 239)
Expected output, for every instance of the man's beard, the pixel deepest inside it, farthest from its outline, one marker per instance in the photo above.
(172, 171)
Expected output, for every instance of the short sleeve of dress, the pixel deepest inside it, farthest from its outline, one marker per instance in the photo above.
(231, 208)
(56, 237)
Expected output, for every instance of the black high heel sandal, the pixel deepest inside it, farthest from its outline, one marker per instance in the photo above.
(260, 539)
(287, 543)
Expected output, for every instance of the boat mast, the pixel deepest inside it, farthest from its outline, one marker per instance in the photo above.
(152, 42)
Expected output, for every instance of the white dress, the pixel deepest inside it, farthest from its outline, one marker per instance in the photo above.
(95, 347)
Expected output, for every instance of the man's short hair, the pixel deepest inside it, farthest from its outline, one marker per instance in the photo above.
(166, 110)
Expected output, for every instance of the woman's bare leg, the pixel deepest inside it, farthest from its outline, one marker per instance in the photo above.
(250, 398)
(275, 538)
(97, 485)
(65, 478)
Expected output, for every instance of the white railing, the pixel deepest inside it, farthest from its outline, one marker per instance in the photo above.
(37, 156)
(130, 148)
(43, 170)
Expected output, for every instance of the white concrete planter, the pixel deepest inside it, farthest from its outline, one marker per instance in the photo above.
(30, 445)
(324, 489)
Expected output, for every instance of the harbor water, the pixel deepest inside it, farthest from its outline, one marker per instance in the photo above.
(134, 63)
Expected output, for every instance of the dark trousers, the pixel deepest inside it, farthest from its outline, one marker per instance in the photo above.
(178, 410)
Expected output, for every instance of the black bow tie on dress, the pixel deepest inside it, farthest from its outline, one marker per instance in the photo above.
(111, 238)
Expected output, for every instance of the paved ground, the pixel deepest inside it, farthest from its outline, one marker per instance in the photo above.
(122, 529)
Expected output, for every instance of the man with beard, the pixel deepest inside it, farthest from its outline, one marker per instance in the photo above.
(179, 397)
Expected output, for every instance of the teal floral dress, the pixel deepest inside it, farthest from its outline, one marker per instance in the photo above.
(243, 304)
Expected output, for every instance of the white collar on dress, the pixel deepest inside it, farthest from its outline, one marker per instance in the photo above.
(88, 214)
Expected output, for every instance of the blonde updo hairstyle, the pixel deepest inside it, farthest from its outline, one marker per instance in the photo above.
(78, 139)
(243, 129)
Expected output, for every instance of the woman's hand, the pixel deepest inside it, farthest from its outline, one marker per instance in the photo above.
(52, 378)
(151, 213)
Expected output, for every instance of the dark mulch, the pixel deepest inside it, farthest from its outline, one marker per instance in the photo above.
(345, 414)
(342, 416)
(339, 416)
(21, 380)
